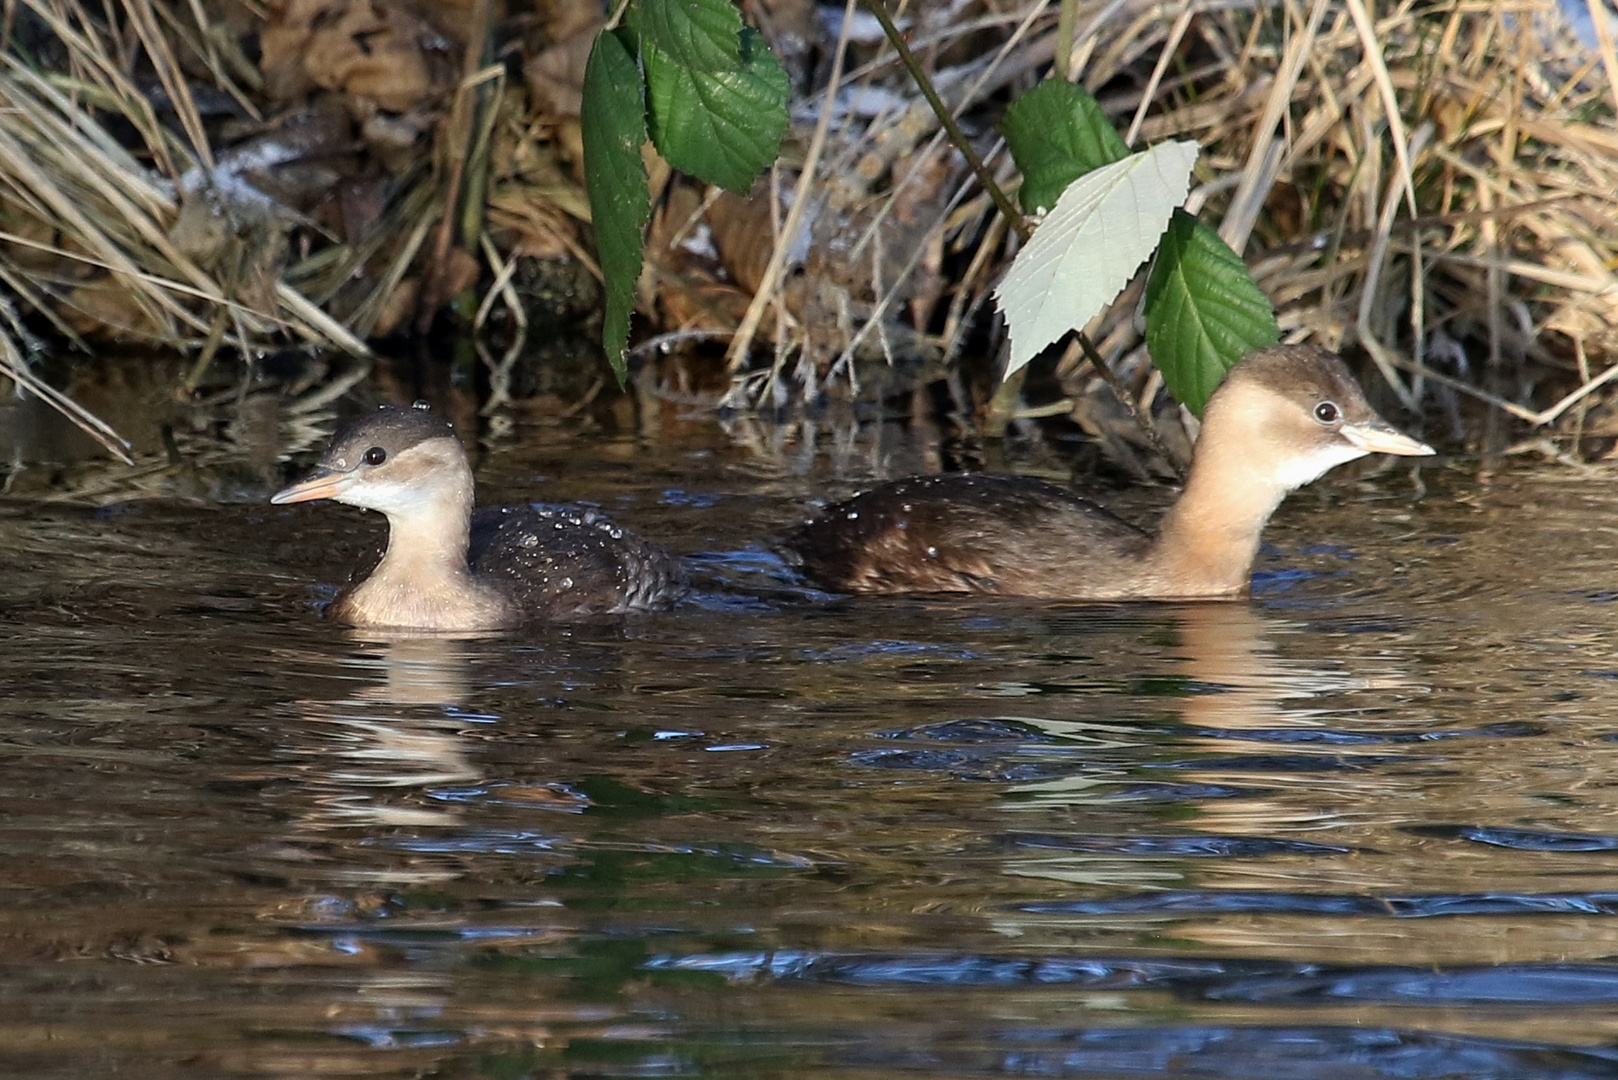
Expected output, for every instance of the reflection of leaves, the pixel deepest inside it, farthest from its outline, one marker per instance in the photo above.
(716, 93)
(1174, 686)
(1057, 133)
(613, 123)
(621, 879)
(1103, 227)
(610, 797)
(596, 971)
(1204, 311)
(599, 969)
(720, 1056)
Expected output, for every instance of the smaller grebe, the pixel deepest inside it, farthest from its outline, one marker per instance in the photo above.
(1281, 418)
(448, 568)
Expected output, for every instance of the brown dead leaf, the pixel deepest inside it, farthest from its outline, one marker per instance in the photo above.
(398, 307)
(685, 282)
(698, 302)
(445, 281)
(530, 227)
(106, 309)
(793, 28)
(742, 235)
(20, 222)
(371, 49)
(561, 19)
(360, 201)
(557, 74)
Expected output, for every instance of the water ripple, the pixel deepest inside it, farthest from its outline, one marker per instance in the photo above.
(1194, 846)
(1191, 978)
(1275, 903)
(1519, 839)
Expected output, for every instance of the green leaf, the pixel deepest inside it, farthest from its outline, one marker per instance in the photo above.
(1057, 133)
(614, 125)
(717, 95)
(1204, 311)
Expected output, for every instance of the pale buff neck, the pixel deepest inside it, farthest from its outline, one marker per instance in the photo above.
(1208, 539)
(429, 541)
(423, 579)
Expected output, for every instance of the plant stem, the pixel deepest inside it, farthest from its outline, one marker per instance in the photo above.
(1121, 392)
(956, 135)
(1067, 18)
(1012, 215)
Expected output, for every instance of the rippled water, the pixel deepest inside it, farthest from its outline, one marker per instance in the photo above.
(1363, 826)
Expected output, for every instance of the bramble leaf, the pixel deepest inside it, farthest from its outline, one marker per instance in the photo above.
(716, 94)
(1103, 227)
(613, 119)
(1204, 311)
(1057, 133)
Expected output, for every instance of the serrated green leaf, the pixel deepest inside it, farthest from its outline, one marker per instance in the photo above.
(1057, 133)
(1103, 227)
(717, 95)
(1204, 311)
(613, 119)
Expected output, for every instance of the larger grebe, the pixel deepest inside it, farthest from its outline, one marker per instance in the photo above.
(1281, 418)
(448, 568)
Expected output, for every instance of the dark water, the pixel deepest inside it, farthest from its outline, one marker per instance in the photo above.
(1363, 826)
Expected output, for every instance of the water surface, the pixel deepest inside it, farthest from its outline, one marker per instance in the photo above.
(1362, 826)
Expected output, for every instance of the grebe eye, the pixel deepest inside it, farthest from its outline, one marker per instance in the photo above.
(375, 456)
(1327, 412)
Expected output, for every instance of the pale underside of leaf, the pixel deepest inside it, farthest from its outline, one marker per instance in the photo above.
(1104, 226)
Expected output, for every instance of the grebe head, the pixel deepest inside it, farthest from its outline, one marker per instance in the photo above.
(1296, 412)
(400, 460)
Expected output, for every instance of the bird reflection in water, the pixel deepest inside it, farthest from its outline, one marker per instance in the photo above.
(1234, 771)
(395, 737)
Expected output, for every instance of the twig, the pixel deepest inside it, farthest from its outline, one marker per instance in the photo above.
(956, 135)
(1121, 392)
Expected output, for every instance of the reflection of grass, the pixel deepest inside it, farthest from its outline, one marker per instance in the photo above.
(735, 1055)
(614, 870)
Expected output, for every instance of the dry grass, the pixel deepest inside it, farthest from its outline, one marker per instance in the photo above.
(1449, 170)
(1432, 184)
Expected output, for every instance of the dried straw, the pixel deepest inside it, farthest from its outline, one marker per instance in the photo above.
(1398, 178)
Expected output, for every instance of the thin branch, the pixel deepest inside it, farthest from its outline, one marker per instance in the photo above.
(956, 135)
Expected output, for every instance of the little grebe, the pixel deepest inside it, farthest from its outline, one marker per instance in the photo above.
(1281, 418)
(449, 568)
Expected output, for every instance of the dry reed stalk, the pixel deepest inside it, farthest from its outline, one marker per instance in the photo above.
(161, 56)
(79, 209)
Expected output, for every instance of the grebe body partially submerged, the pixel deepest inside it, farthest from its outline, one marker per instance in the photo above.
(1282, 417)
(448, 567)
